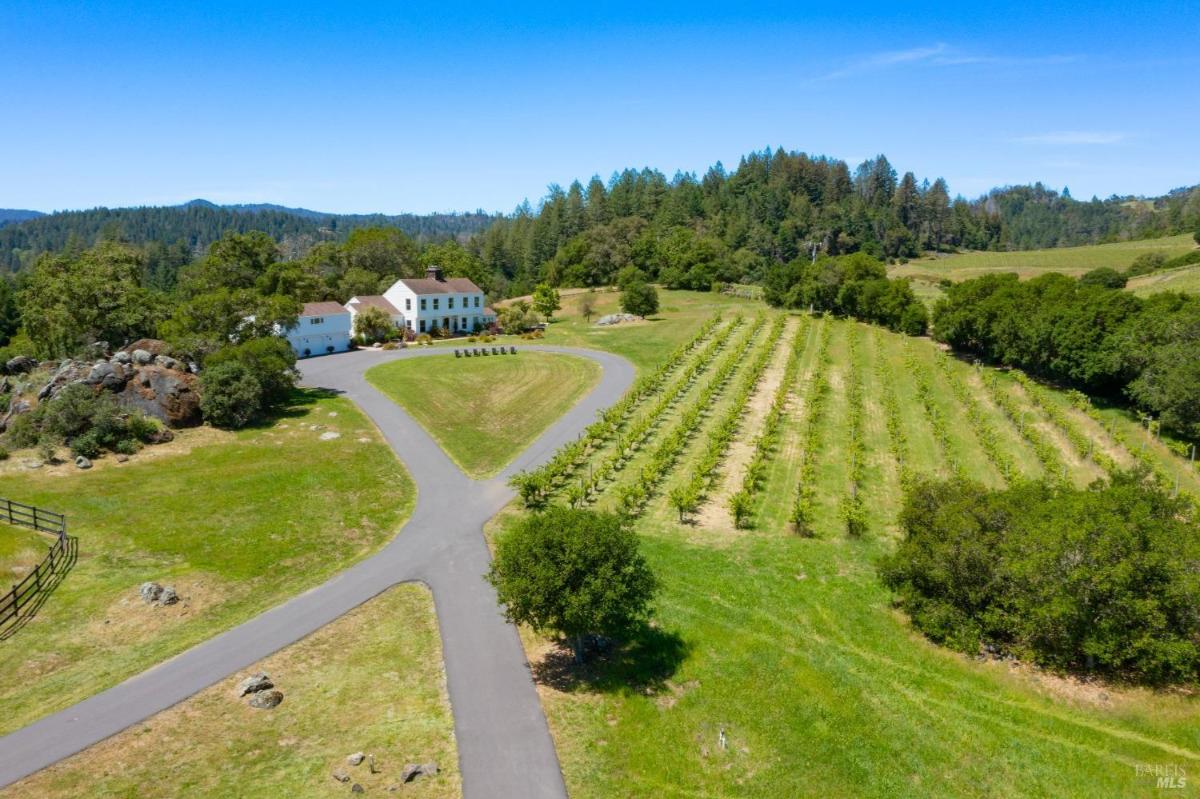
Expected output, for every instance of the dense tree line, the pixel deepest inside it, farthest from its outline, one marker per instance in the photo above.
(1090, 335)
(186, 231)
(777, 206)
(853, 285)
(1103, 581)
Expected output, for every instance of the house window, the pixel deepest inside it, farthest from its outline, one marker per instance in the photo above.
(450, 302)
(476, 300)
(422, 303)
(408, 303)
(422, 325)
(316, 320)
(408, 322)
(435, 303)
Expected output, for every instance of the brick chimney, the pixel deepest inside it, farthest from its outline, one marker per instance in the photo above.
(434, 273)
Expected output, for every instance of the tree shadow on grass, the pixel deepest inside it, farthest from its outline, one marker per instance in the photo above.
(641, 663)
(299, 403)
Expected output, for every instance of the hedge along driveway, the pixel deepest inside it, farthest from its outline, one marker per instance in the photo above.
(483, 411)
(237, 522)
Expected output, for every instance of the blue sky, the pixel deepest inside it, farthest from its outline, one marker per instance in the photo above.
(407, 107)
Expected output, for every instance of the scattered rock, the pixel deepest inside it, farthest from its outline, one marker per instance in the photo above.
(20, 365)
(122, 357)
(260, 681)
(109, 375)
(355, 758)
(122, 458)
(340, 775)
(330, 435)
(168, 395)
(82, 463)
(356, 788)
(141, 357)
(32, 463)
(68, 372)
(162, 436)
(266, 700)
(333, 413)
(414, 770)
(616, 319)
(167, 362)
(168, 596)
(150, 592)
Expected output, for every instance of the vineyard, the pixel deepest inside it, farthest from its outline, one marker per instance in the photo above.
(763, 461)
(857, 413)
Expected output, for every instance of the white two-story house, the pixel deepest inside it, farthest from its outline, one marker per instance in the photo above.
(322, 328)
(436, 302)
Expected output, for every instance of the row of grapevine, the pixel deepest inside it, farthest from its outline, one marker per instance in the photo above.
(1047, 453)
(933, 412)
(985, 431)
(852, 509)
(742, 502)
(536, 484)
(1160, 472)
(818, 394)
(686, 497)
(897, 438)
(632, 498)
(631, 439)
(1082, 443)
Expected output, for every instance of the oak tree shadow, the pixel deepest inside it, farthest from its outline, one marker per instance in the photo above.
(641, 663)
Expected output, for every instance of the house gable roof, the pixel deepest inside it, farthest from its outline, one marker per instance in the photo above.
(327, 308)
(451, 285)
(374, 301)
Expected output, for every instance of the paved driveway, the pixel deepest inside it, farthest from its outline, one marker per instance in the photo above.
(504, 747)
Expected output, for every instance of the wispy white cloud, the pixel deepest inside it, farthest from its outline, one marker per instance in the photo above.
(939, 55)
(1073, 137)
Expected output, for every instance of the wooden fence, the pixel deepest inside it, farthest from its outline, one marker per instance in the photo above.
(30, 588)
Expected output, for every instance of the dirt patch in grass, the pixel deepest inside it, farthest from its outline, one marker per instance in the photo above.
(130, 620)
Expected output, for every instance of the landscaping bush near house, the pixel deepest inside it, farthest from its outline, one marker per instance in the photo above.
(242, 382)
(1104, 580)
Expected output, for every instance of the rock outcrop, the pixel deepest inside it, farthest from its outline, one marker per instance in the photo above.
(170, 395)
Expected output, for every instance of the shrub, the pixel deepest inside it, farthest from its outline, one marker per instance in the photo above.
(639, 299)
(1146, 262)
(1105, 276)
(231, 395)
(87, 445)
(3, 454)
(1100, 581)
(270, 361)
(574, 573)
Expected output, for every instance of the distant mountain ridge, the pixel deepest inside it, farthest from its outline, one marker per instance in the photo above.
(199, 222)
(11, 215)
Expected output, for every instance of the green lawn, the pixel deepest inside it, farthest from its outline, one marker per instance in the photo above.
(383, 695)
(20, 550)
(1029, 263)
(1184, 278)
(236, 522)
(792, 648)
(485, 411)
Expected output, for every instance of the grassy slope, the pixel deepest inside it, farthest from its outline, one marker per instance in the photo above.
(1184, 278)
(484, 411)
(236, 522)
(791, 646)
(20, 551)
(384, 695)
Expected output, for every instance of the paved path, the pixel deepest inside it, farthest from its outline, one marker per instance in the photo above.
(504, 747)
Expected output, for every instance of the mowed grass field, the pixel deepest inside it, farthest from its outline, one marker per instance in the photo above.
(484, 411)
(370, 682)
(236, 522)
(1184, 278)
(779, 666)
(1030, 263)
(20, 550)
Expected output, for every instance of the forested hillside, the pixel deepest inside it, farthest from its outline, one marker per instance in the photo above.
(11, 215)
(194, 226)
(778, 206)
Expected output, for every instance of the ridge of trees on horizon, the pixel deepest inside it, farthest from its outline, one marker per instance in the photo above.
(686, 231)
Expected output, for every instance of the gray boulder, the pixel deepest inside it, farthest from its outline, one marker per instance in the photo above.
(255, 683)
(150, 592)
(356, 758)
(168, 395)
(82, 463)
(168, 596)
(356, 788)
(68, 372)
(141, 357)
(414, 770)
(340, 775)
(109, 375)
(123, 358)
(167, 362)
(20, 365)
(266, 700)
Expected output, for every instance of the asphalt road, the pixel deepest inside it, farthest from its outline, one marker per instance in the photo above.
(504, 746)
